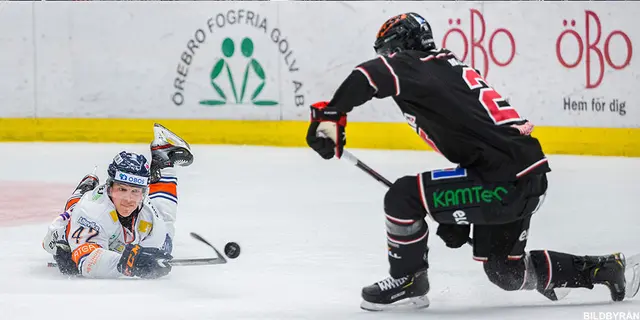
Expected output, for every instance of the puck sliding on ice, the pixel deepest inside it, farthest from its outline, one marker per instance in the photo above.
(232, 250)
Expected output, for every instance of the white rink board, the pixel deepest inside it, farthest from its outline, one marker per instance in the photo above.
(122, 59)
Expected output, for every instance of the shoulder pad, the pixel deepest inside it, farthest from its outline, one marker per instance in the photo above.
(96, 206)
(98, 194)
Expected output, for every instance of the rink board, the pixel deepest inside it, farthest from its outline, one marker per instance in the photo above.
(555, 140)
(246, 72)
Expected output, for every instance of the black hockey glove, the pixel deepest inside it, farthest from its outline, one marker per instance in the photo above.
(63, 259)
(326, 134)
(148, 263)
(454, 235)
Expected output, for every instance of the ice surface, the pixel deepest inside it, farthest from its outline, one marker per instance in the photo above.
(312, 234)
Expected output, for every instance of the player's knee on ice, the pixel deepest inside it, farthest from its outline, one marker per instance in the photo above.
(541, 270)
(506, 274)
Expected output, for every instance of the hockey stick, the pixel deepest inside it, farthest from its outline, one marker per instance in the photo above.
(346, 155)
(175, 262)
(219, 259)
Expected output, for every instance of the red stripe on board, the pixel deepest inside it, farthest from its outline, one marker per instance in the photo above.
(32, 202)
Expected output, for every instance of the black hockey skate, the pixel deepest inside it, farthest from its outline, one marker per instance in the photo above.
(88, 183)
(608, 270)
(406, 292)
(167, 150)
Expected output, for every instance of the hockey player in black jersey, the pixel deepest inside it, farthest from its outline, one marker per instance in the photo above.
(499, 183)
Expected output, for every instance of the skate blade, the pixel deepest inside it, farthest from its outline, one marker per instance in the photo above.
(632, 276)
(406, 304)
(561, 293)
(164, 136)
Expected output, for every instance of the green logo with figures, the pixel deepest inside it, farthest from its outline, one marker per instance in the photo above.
(239, 57)
(222, 68)
(472, 195)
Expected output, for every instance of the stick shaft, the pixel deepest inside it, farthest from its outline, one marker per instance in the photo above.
(346, 155)
(176, 262)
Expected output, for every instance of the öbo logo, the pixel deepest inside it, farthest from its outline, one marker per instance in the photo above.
(594, 51)
(475, 43)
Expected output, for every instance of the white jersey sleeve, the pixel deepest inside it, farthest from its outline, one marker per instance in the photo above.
(164, 196)
(152, 227)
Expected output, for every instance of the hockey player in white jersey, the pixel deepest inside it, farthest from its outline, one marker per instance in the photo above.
(124, 227)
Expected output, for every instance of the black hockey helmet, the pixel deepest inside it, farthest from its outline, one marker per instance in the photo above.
(407, 31)
(129, 168)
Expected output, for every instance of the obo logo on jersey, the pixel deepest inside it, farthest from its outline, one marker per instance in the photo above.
(121, 176)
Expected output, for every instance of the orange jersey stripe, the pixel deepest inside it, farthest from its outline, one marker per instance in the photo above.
(71, 202)
(66, 230)
(83, 250)
(167, 187)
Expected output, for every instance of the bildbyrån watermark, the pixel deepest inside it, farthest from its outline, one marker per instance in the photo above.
(611, 315)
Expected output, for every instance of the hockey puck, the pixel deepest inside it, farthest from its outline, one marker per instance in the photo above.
(232, 250)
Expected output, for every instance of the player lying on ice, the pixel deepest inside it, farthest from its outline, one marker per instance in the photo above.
(125, 226)
(499, 184)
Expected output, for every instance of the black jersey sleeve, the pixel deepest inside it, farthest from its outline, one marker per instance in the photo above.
(354, 91)
(381, 75)
(375, 78)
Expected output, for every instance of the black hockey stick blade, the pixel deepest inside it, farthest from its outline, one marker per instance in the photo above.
(346, 155)
(201, 239)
